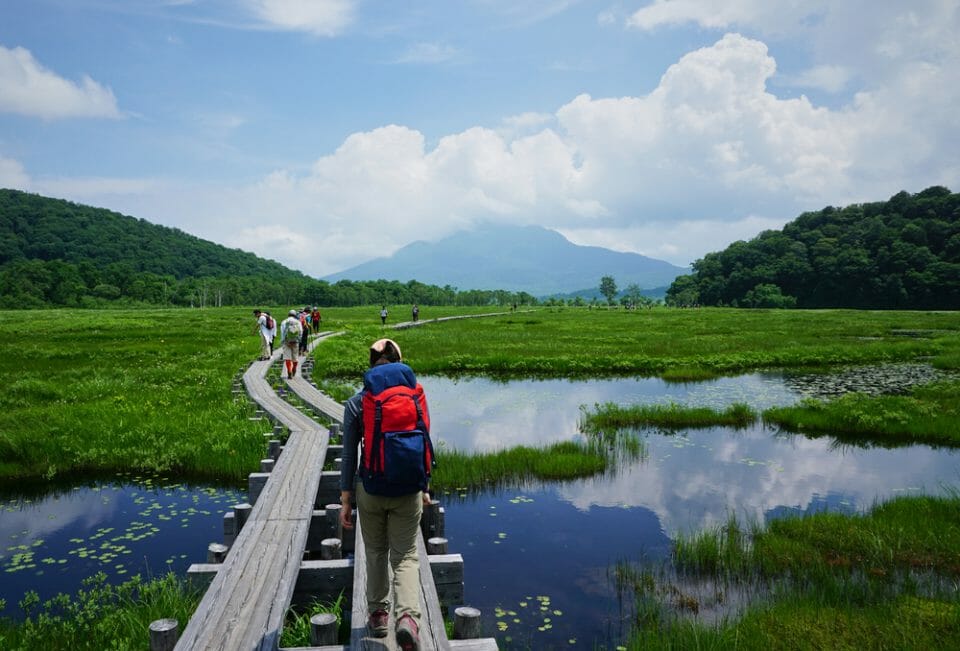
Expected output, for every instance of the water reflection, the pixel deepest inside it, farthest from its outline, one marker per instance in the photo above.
(134, 525)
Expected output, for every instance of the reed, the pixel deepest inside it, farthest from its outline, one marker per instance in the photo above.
(930, 414)
(672, 417)
(296, 630)
(101, 616)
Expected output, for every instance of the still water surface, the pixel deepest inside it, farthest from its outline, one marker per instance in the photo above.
(537, 557)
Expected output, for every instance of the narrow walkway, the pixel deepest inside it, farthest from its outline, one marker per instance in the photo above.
(247, 601)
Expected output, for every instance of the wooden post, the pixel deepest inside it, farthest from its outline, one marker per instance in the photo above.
(277, 430)
(241, 512)
(431, 522)
(266, 465)
(333, 520)
(323, 629)
(216, 552)
(330, 549)
(466, 623)
(437, 545)
(256, 481)
(164, 634)
(229, 528)
(273, 449)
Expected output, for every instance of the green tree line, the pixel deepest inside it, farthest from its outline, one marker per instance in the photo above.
(57, 253)
(898, 254)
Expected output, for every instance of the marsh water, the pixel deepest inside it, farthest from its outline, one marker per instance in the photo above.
(538, 557)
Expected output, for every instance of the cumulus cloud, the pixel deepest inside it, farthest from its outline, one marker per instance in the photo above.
(28, 88)
(709, 156)
(319, 17)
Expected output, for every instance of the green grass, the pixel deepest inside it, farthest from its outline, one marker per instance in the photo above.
(671, 417)
(116, 390)
(678, 344)
(101, 616)
(821, 581)
(296, 631)
(460, 471)
(930, 414)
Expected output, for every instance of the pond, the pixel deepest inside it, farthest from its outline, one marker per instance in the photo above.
(130, 525)
(538, 557)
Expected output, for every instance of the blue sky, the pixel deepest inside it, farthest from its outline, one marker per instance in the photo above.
(322, 133)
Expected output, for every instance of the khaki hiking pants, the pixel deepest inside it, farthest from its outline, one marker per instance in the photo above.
(390, 526)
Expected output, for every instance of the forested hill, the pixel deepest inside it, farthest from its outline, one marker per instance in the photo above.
(903, 253)
(35, 227)
(58, 253)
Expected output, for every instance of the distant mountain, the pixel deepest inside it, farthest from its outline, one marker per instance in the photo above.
(528, 259)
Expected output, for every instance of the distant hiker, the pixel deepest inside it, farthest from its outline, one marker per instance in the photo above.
(315, 319)
(394, 469)
(290, 331)
(304, 330)
(383, 315)
(272, 325)
(260, 328)
(416, 312)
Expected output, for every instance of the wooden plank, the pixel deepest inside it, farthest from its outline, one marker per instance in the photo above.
(245, 605)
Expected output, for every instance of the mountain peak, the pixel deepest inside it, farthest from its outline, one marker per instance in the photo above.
(531, 259)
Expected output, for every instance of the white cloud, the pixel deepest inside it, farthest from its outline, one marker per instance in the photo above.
(708, 156)
(12, 175)
(319, 17)
(27, 88)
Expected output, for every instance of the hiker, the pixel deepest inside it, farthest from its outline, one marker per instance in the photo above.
(290, 331)
(272, 334)
(315, 319)
(416, 312)
(383, 315)
(260, 328)
(389, 510)
(304, 330)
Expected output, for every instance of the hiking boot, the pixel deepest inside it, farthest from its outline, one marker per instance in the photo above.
(377, 623)
(408, 634)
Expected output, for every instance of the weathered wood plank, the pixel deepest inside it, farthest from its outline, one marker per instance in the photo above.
(245, 605)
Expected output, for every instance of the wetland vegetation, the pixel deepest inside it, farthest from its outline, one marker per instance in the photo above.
(150, 390)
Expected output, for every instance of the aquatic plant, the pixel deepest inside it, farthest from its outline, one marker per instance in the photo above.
(101, 616)
(671, 416)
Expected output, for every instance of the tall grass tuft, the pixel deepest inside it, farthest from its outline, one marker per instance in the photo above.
(101, 616)
(672, 417)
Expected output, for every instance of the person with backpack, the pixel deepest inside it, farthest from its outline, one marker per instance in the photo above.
(389, 422)
(272, 327)
(290, 331)
(304, 330)
(315, 319)
(383, 315)
(260, 328)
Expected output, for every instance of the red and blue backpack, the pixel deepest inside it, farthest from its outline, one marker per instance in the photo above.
(397, 454)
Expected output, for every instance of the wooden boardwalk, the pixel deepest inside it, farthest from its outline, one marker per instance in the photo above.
(250, 592)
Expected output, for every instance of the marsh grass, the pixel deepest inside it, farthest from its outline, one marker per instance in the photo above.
(680, 344)
(672, 417)
(930, 414)
(101, 616)
(118, 390)
(296, 630)
(884, 579)
(565, 460)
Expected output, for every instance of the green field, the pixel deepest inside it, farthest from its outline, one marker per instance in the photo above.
(150, 390)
